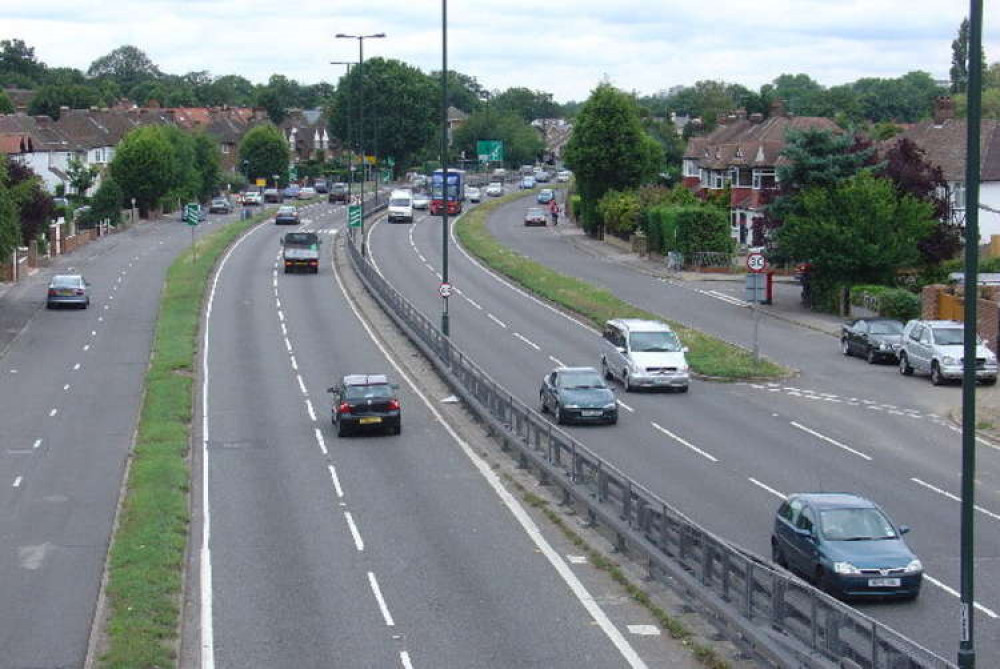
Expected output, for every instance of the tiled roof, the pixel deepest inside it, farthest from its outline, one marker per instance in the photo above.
(743, 142)
(12, 144)
(944, 146)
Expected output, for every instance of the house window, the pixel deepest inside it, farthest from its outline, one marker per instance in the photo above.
(740, 177)
(691, 168)
(703, 177)
(225, 148)
(718, 179)
(958, 195)
(763, 178)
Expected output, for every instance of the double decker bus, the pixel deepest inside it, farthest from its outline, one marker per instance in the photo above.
(456, 192)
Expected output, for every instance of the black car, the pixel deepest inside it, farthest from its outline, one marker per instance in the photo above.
(220, 205)
(846, 545)
(321, 186)
(338, 192)
(366, 401)
(578, 394)
(873, 339)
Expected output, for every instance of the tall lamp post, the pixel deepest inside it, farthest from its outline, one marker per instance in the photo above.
(444, 166)
(361, 118)
(347, 142)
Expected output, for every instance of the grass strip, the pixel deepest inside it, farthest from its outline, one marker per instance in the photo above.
(146, 560)
(708, 356)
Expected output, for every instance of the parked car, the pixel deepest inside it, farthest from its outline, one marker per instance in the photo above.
(220, 205)
(535, 216)
(578, 394)
(499, 173)
(545, 196)
(322, 186)
(494, 189)
(366, 401)
(562, 176)
(542, 176)
(252, 197)
(273, 195)
(473, 194)
(846, 545)
(936, 348)
(68, 289)
(306, 193)
(873, 339)
(287, 215)
(291, 192)
(338, 192)
(527, 182)
(421, 201)
(644, 354)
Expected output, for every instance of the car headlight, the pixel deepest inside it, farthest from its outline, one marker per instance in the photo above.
(571, 406)
(990, 358)
(948, 360)
(845, 568)
(883, 346)
(610, 405)
(914, 566)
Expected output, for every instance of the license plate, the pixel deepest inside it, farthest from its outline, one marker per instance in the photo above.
(590, 413)
(369, 420)
(883, 583)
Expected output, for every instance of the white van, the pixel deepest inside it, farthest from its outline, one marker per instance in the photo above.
(644, 354)
(401, 206)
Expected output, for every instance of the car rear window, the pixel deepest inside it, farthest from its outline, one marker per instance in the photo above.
(372, 392)
(399, 202)
(66, 281)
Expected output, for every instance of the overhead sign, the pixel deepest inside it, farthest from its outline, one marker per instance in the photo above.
(445, 290)
(489, 150)
(756, 262)
(354, 216)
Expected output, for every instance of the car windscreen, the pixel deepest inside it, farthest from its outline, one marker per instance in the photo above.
(301, 238)
(948, 336)
(286, 210)
(535, 213)
(581, 380)
(66, 281)
(372, 392)
(886, 327)
(855, 525)
(654, 342)
(399, 202)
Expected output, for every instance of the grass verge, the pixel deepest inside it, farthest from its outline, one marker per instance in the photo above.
(708, 355)
(146, 561)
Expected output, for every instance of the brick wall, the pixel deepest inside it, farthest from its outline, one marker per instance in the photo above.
(987, 309)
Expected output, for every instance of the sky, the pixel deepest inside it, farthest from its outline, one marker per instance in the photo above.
(564, 47)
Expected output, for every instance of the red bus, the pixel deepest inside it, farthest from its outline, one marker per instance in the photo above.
(456, 191)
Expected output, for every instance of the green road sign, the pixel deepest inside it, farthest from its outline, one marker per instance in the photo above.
(490, 150)
(386, 175)
(191, 214)
(293, 173)
(390, 161)
(354, 216)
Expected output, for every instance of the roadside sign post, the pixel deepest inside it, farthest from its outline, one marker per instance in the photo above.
(354, 218)
(191, 218)
(756, 279)
(445, 290)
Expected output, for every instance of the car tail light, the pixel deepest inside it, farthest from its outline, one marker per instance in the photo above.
(52, 292)
(79, 291)
(313, 262)
(393, 405)
(288, 263)
(344, 407)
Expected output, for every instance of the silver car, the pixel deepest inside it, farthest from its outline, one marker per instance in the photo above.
(68, 290)
(936, 348)
(644, 354)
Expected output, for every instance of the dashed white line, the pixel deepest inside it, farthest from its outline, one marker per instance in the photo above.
(683, 442)
(93, 333)
(768, 488)
(288, 344)
(335, 479)
(473, 302)
(528, 341)
(381, 601)
(284, 330)
(295, 365)
(955, 497)
(86, 347)
(38, 442)
(355, 534)
(625, 406)
(404, 659)
(556, 360)
(830, 441)
(281, 316)
(17, 482)
(53, 412)
(497, 321)
(954, 593)
(309, 407)
(66, 387)
(302, 384)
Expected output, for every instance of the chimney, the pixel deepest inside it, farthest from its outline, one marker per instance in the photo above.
(944, 109)
(756, 117)
(778, 108)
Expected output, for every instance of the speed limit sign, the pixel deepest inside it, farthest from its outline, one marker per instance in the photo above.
(445, 290)
(756, 262)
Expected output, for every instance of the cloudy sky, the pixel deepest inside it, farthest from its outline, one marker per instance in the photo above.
(564, 47)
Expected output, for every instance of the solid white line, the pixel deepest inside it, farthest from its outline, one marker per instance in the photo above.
(830, 441)
(517, 510)
(381, 601)
(335, 479)
(955, 593)
(955, 497)
(557, 361)
(497, 321)
(767, 488)
(295, 365)
(681, 441)
(625, 406)
(76, 367)
(302, 384)
(528, 341)
(17, 481)
(205, 557)
(53, 412)
(312, 414)
(404, 659)
(38, 442)
(358, 541)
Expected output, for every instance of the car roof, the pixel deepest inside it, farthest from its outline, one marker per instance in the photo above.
(365, 379)
(573, 370)
(834, 500)
(641, 325)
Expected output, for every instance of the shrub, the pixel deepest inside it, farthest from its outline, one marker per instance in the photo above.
(661, 228)
(859, 292)
(899, 303)
(620, 211)
(575, 206)
(701, 228)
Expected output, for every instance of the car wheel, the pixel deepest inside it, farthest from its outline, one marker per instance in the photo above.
(777, 556)
(990, 382)
(626, 382)
(683, 389)
(936, 377)
(871, 358)
(396, 429)
(341, 430)
(606, 371)
(559, 415)
(845, 347)
(542, 408)
(904, 365)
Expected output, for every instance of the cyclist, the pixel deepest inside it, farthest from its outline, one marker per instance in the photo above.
(554, 211)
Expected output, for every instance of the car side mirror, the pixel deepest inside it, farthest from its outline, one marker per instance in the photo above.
(620, 349)
(333, 390)
(904, 529)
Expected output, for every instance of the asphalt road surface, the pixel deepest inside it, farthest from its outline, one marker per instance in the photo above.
(725, 454)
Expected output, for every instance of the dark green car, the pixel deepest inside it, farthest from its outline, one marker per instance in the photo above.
(579, 395)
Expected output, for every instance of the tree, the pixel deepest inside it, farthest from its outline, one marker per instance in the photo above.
(802, 95)
(18, 58)
(959, 72)
(64, 76)
(6, 106)
(464, 91)
(232, 90)
(521, 142)
(108, 201)
(207, 164)
(606, 149)
(126, 66)
(860, 230)
(265, 150)
(50, 99)
(10, 233)
(273, 103)
(33, 203)
(526, 103)
(81, 176)
(143, 166)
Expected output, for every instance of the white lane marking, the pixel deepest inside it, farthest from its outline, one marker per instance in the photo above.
(954, 593)
(38, 442)
(497, 321)
(725, 298)
(952, 496)
(556, 360)
(473, 302)
(93, 333)
(288, 345)
(76, 367)
(278, 302)
(683, 442)
(17, 482)
(284, 330)
(644, 630)
(404, 659)
(302, 384)
(830, 441)
(295, 365)
(205, 556)
(768, 488)
(100, 319)
(86, 347)
(517, 510)
(577, 559)
(335, 479)
(429, 266)
(53, 412)
(381, 601)
(66, 387)
(421, 256)
(312, 414)
(281, 315)
(359, 543)
(527, 341)
(625, 406)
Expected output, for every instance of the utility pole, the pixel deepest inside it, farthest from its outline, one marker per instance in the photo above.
(444, 166)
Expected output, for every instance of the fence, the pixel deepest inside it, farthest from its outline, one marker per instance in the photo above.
(774, 616)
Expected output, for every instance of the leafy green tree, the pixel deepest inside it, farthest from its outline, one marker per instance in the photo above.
(10, 232)
(33, 203)
(185, 179)
(266, 152)
(143, 166)
(464, 91)
(521, 142)
(108, 201)
(81, 176)
(6, 106)
(49, 99)
(802, 95)
(126, 66)
(16, 57)
(232, 90)
(708, 100)
(607, 149)
(619, 211)
(64, 76)
(208, 165)
(526, 103)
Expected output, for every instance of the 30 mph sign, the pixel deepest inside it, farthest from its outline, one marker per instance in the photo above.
(756, 262)
(445, 290)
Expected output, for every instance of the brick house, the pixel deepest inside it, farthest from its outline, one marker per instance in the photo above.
(744, 153)
(307, 134)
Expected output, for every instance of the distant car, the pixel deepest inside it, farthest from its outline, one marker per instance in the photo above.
(321, 186)
(252, 197)
(421, 201)
(542, 176)
(366, 401)
(545, 196)
(527, 182)
(338, 192)
(936, 348)
(846, 545)
(495, 189)
(220, 205)
(306, 193)
(562, 176)
(499, 173)
(535, 216)
(291, 192)
(287, 215)
(873, 339)
(68, 290)
(473, 194)
(273, 195)
(578, 394)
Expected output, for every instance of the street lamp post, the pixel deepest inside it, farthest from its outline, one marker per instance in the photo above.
(445, 329)
(361, 118)
(347, 142)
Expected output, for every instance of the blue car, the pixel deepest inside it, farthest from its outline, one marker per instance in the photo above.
(846, 545)
(545, 196)
(291, 192)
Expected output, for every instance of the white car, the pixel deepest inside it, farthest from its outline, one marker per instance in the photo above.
(252, 197)
(420, 201)
(495, 189)
(473, 194)
(563, 176)
(307, 192)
